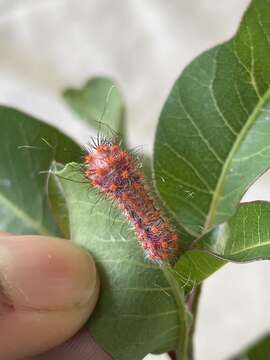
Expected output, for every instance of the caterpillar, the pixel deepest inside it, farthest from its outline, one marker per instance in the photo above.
(115, 173)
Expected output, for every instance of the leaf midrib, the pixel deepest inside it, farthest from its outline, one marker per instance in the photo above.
(210, 221)
(261, 245)
(24, 216)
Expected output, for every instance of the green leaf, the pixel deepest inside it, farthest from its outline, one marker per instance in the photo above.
(259, 350)
(195, 266)
(98, 101)
(27, 149)
(212, 139)
(245, 237)
(57, 200)
(141, 307)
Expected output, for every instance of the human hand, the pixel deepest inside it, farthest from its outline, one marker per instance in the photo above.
(48, 289)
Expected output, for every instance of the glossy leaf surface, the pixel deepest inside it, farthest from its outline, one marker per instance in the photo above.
(213, 135)
(27, 149)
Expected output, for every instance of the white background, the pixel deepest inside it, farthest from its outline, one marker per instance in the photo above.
(46, 45)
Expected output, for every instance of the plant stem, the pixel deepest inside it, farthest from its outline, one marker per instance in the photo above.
(179, 296)
(193, 307)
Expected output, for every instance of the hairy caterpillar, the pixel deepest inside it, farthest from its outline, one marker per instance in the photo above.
(115, 173)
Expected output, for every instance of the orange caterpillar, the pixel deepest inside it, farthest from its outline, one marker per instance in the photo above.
(115, 173)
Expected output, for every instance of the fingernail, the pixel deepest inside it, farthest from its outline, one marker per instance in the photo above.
(45, 274)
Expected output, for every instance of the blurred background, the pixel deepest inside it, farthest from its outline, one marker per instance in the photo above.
(46, 46)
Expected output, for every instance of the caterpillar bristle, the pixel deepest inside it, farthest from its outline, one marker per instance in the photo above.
(116, 174)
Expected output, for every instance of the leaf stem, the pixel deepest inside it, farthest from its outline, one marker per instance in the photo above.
(193, 307)
(184, 321)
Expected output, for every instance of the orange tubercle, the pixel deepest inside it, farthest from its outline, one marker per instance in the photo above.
(136, 185)
(146, 219)
(124, 174)
(109, 160)
(125, 196)
(88, 158)
(164, 244)
(154, 229)
(113, 187)
(174, 237)
(100, 171)
(101, 148)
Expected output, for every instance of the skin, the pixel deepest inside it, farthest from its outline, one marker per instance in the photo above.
(48, 289)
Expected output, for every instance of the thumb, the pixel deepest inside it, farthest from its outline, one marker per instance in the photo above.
(48, 289)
